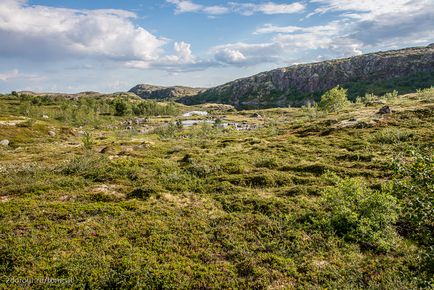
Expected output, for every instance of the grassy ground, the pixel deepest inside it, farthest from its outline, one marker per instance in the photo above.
(158, 206)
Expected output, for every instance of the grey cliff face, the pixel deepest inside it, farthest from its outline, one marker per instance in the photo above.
(298, 84)
(278, 86)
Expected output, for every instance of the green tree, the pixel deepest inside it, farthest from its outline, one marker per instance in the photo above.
(122, 107)
(334, 100)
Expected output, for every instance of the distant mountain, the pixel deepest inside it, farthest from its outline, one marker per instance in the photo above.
(75, 96)
(164, 93)
(403, 70)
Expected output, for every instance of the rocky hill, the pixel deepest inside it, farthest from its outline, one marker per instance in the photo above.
(75, 96)
(164, 93)
(403, 70)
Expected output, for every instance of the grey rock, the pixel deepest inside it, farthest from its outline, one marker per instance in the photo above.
(4, 142)
(256, 115)
(385, 110)
(51, 133)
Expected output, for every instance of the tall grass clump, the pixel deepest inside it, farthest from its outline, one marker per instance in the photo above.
(392, 136)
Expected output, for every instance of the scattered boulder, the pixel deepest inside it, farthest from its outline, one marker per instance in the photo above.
(51, 133)
(4, 142)
(45, 117)
(140, 121)
(256, 115)
(385, 110)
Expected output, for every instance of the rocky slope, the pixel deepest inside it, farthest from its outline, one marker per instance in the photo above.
(164, 93)
(405, 69)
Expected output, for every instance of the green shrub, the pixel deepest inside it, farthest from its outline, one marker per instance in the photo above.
(392, 136)
(167, 132)
(122, 107)
(270, 161)
(368, 97)
(334, 100)
(427, 93)
(414, 186)
(145, 192)
(360, 214)
(391, 95)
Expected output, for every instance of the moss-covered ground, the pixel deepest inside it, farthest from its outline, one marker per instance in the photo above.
(157, 206)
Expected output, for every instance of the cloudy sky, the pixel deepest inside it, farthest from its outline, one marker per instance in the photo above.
(111, 45)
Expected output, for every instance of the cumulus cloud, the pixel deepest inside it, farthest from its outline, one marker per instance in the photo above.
(245, 54)
(384, 23)
(332, 36)
(267, 8)
(247, 9)
(184, 6)
(41, 32)
(16, 74)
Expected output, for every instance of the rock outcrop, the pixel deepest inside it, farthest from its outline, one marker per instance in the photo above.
(375, 72)
(164, 93)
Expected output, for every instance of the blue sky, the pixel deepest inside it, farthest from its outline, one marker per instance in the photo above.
(81, 45)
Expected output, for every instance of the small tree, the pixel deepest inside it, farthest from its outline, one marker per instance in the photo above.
(334, 100)
(122, 107)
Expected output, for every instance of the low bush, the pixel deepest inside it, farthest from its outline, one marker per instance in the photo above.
(414, 186)
(357, 213)
(392, 136)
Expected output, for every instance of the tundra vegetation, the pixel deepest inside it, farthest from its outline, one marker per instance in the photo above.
(113, 192)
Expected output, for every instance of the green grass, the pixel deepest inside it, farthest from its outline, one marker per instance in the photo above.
(211, 208)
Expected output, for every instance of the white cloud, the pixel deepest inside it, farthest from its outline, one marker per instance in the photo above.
(15, 74)
(245, 54)
(184, 6)
(270, 28)
(272, 8)
(216, 10)
(9, 75)
(247, 9)
(42, 32)
(333, 36)
(230, 56)
(369, 9)
(386, 23)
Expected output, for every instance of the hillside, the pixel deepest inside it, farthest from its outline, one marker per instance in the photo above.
(403, 70)
(131, 194)
(164, 93)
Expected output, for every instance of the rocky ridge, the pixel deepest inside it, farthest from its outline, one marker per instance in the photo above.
(297, 84)
(146, 91)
